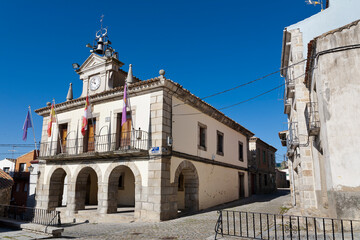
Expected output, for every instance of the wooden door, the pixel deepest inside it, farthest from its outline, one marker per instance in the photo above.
(63, 134)
(126, 133)
(91, 136)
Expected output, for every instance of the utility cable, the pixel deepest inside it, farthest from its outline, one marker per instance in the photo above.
(249, 99)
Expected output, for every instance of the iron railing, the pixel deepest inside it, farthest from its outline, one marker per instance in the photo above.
(293, 136)
(30, 215)
(289, 85)
(132, 140)
(251, 225)
(312, 118)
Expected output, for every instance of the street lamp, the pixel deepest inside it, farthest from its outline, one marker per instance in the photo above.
(31, 168)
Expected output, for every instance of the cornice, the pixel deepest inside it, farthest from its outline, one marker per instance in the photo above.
(145, 87)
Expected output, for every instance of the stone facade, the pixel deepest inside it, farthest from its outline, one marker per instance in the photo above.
(156, 168)
(309, 69)
(261, 166)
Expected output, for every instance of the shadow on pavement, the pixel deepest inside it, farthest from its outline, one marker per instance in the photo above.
(241, 202)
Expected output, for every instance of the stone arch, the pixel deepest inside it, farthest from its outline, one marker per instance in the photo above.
(95, 167)
(111, 178)
(188, 172)
(57, 191)
(86, 186)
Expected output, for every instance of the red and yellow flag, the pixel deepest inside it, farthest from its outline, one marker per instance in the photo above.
(87, 114)
(51, 120)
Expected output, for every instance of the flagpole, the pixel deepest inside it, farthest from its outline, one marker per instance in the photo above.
(57, 124)
(33, 127)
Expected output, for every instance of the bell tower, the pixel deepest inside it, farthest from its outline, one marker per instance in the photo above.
(101, 70)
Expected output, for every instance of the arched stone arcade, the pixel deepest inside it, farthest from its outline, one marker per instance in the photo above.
(124, 187)
(86, 188)
(187, 180)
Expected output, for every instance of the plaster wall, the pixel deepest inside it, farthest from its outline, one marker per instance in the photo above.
(186, 135)
(7, 163)
(336, 80)
(139, 104)
(217, 184)
(339, 13)
(126, 196)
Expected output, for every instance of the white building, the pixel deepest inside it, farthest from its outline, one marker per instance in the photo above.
(320, 66)
(8, 165)
(181, 154)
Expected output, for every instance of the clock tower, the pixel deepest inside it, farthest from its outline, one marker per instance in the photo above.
(101, 70)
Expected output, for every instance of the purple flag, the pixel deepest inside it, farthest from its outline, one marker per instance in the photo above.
(123, 117)
(27, 124)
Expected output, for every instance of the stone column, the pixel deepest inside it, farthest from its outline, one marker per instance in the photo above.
(161, 203)
(104, 204)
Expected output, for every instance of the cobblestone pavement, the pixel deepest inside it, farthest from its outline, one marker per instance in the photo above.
(199, 226)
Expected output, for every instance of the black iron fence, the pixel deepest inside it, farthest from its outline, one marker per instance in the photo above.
(30, 215)
(132, 140)
(250, 225)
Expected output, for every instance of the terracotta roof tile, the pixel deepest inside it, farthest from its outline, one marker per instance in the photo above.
(6, 180)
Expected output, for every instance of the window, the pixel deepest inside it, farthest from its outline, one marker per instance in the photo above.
(241, 152)
(18, 187)
(181, 182)
(121, 182)
(265, 179)
(25, 187)
(202, 136)
(22, 167)
(6, 169)
(264, 156)
(220, 143)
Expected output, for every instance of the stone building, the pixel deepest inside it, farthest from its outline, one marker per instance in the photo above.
(261, 161)
(281, 181)
(180, 153)
(320, 56)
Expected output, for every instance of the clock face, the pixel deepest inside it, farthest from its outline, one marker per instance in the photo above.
(94, 83)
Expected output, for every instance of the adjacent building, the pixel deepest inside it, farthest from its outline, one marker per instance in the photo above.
(8, 165)
(172, 153)
(21, 177)
(320, 59)
(6, 183)
(261, 162)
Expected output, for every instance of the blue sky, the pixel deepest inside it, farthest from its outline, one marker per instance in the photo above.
(206, 46)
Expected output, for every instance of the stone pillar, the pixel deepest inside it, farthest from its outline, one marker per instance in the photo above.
(161, 203)
(104, 196)
(42, 187)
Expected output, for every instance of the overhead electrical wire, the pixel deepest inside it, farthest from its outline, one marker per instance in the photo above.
(244, 101)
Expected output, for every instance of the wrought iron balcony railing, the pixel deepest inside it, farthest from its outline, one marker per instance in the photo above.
(292, 137)
(312, 118)
(289, 86)
(116, 142)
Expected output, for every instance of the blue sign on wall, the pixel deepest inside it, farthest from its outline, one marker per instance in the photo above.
(155, 149)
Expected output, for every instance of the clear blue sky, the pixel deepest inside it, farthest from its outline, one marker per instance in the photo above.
(206, 46)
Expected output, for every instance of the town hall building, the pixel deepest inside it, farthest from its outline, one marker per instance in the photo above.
(178, 155)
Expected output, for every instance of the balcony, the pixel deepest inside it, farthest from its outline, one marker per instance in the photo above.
(132, 143)
(287, 105)
(20, 175)
(312, 118)
(293, 136)
(289, 86)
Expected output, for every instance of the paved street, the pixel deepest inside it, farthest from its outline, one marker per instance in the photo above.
(199, 226)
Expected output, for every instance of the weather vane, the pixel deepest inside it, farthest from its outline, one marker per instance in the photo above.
(102, 44)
